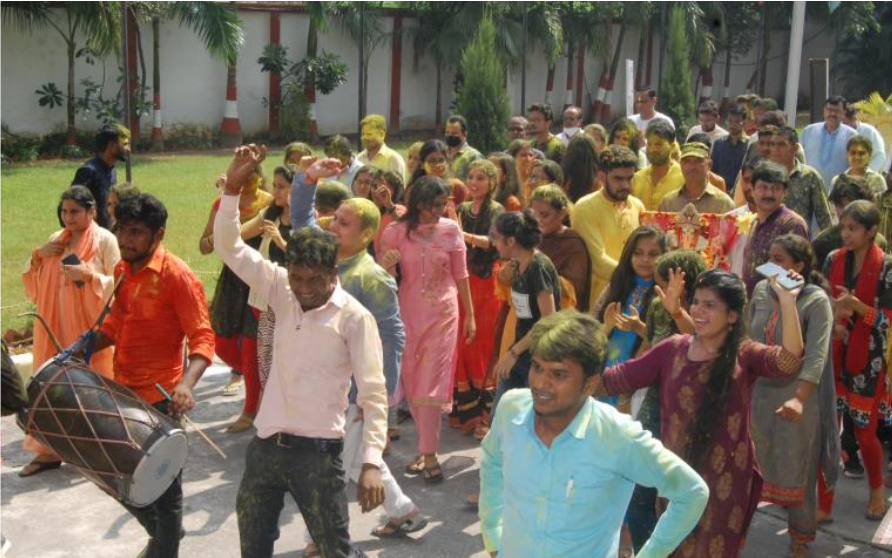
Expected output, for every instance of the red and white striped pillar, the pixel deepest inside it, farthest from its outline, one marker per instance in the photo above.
(568, 93)
(549, 86)
(275, 80)
(705, 84)
(580, 73)
(231, 129)
(601, 108)
(157, 125)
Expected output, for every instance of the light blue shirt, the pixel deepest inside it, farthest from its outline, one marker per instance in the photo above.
(826, 152)
(878, 157)
(569, 500)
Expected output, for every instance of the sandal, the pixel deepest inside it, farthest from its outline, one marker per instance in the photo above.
(233, 387)
(626, 552)
(872, 515)
(480, 432)
(416, 467)
(394, 530)
(433, 475)
(797, 550)
(36, 467)
(310, 552)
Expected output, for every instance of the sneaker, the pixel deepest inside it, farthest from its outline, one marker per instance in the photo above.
(854, 470)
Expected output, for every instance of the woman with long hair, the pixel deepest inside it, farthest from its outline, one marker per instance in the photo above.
(535, 291)
(524, 155)
(232, 317)
(860, 278)
(706, 382)
(792, 446)
(387, 193)
(434, 159)
(474, 390)
(273, 226)
(671, 289)
(430, 253)
(623, 304)
(624, 132)
(580, 166)
(508, 191)
(563, 246)
(413, 158)
(69, 278)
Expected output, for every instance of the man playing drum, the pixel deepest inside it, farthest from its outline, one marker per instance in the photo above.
(160, 304)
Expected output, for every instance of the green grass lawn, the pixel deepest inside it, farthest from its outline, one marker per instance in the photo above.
(29, 194)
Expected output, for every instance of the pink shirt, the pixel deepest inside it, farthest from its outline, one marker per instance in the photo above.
(316, 353)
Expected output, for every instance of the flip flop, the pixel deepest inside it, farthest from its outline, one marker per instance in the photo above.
(36, 467)
(416, 467)
(433, 475)
(310, 553)
(876, 516)
(410, 525)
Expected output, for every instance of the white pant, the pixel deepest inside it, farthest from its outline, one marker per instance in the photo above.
(396, 503)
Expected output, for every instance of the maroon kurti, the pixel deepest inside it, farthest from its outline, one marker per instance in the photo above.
(729, 467)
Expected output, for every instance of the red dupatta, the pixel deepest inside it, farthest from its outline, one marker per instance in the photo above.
(866, 292)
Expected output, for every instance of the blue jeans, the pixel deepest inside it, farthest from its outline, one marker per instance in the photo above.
(519, 378)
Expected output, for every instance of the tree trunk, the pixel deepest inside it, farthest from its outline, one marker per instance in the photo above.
(131, 52)
(231, 129)
(568, 95)
(706, 80)
(766, 46)
(580, 73)
(639, 64)
(549, 85)
(650, 57)
(310, 86)
(604, 114)
(275, 79)
(726, 100)
(438, 119)
(71, 136)
(157, 129)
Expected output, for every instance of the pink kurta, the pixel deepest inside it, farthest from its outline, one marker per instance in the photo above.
(432, 261)
(729, 467)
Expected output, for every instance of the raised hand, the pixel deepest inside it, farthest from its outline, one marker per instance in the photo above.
(246, 159)
(382, 197)
(671, 296)
(324, 168)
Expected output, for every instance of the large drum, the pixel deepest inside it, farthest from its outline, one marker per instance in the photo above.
(106, 431)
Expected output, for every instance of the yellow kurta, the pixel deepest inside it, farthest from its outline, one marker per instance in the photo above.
(651, 194)
(604, 225)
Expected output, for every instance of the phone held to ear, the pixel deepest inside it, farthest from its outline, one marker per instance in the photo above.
(769, 269)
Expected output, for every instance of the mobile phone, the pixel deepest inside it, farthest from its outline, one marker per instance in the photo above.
(769, 269)
(72, 259)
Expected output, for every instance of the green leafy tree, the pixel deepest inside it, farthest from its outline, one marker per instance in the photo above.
(94, 24)
(481, 97)
(677, 97)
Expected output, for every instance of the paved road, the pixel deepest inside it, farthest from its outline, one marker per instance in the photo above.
(59, 514)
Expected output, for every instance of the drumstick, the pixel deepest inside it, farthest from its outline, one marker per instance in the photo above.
(188, 420)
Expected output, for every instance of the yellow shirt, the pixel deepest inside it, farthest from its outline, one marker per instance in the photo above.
(604, 225)
(652, 194)
(386, 159)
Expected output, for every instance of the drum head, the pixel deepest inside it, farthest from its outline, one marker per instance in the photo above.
(158, 469)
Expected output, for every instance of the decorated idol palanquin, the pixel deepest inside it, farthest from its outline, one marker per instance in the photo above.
(713, 235)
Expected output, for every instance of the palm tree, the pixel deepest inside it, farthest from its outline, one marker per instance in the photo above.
(97, 22)
(216, 24)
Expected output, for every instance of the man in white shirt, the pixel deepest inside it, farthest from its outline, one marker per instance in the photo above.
(708, 114)
(572, 122)
(324, 337)
(646, 103)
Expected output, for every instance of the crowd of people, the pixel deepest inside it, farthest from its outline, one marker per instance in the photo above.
(638, 379)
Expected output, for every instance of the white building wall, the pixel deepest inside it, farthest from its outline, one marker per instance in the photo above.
(194, 84)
